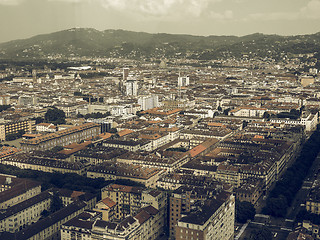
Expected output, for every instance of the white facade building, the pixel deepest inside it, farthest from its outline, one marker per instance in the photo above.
(131, 88)
(148, 102)
(183, 81)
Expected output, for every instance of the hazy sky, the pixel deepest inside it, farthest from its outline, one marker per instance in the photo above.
(26, 18)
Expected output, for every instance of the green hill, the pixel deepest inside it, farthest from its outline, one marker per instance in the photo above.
(136, 45)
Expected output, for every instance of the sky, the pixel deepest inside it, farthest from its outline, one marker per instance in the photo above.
(21, 19)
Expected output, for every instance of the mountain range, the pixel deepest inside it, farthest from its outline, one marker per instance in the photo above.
(88, 42)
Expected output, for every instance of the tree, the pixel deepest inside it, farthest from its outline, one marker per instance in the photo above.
(45, 213)
(244, 123)
(139, 113)
(277, 206)
(283, 193)
(55, 116)
(178, 149)
(266, 115)
(56, 203)
(226, 111)
(38, 120)
(4, 107)
(14, 136)
(97, 115)
(262, 233)
(244, 211)
(77, 94)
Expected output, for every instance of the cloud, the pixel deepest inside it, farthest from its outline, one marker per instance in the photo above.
(70, 1)
(311, 10)
(226, 15)
(10, 2)
(273, 16)
(161, 8)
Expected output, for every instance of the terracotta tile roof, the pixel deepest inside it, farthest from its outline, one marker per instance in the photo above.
(125, 132)
(108, 202)
(196, 150)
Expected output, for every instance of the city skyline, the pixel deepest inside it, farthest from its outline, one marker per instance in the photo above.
(26, 18)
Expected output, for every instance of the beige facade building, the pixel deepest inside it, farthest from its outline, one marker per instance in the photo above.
(49, 227)
(25, 161)
(130, 199)
(213, 220)
(16, 190)
(61, 138)
(107, 207)
(146, 224)
(313, 200)
(24, 213)
(27, 126)
(111, 171)
(306, 80)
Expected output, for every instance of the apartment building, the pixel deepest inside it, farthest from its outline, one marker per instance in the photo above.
(167, 160)
(61, 138)
(183, 200)
(146, 224)
(313, 200)
(98, 154)
(130, 145)
(25, 161)
(147, 176)
(16, 190)
(69, 196)
(214, 219)
(107, 208)
(250, 191)
(12, 127)
(130, 199)
(24, 213)
(49, 227)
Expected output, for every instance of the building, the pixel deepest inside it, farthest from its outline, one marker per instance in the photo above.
(15, 190)
(111, 171)
(69, 196)
(25, 161)
(248, 111)
(187, 199)
(146, 224)
(125, 73)
(62, 138)
(167, 160)
(214, 219)
(306, 80)
(250, 191)
(131, 88)
(27, 100)
(26, 126)
(148, 102)
(183, 81)
(130, 199)
(46, 127)
(107, 208)
(4, 100)
(49, 227)
(7, 151)
(313, 200)
(24, 213)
